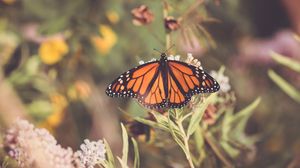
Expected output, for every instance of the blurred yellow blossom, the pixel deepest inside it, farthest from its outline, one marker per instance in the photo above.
(106, 41)
(9, 2)
(52, 50)
(59, 104)
(112, 16)
(80, 90)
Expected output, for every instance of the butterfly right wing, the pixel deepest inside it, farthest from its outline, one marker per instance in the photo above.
(186, 80)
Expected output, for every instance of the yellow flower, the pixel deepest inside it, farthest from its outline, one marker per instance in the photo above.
(107, 40)
(51, 51)
(9, 2)
(112, 16)
(59, 104)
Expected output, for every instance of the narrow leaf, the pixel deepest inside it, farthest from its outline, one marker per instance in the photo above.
(198, 113)
(110, 156)
(123, 165)
(233, 152)
(288, 62)
(125, 144)
(136, 154)
(152, 124)
(199, 139)
(242, 116)
(285, 86)
(178, 139)
(164, 121)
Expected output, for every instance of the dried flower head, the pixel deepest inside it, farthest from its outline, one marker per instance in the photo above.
(222, 80)
(91, 153)
(210, 115)
(171, 24)
(142, 15)
(34, 147)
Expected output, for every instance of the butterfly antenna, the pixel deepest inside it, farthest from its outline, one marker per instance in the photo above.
(157, 50)
(169, 48)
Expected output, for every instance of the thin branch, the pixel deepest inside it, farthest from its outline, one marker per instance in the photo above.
(191, 8)
(211, 142)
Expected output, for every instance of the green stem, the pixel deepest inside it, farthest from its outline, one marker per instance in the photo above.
(192, 8)
(165, 14)
(186, 144)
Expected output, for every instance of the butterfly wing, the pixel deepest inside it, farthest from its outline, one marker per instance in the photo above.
(144, 83)
(186, 80)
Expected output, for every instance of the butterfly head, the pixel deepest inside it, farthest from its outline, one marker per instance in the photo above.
(163, 55)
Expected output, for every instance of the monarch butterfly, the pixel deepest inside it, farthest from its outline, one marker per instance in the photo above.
(163, 83)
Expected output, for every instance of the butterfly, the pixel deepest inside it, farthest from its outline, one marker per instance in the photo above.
(163, 83)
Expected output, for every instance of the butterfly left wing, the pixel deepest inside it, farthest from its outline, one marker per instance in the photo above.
(186, 80)
(143, 83)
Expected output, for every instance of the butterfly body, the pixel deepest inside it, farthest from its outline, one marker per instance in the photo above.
(163, 83)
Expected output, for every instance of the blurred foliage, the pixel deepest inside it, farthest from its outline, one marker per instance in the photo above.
(283, 84)
(110, 160)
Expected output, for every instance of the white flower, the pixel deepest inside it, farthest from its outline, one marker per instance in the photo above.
(91, 153)
(153, 59)
(191, 60)
(177, 57)
(222, 80)
(171, 57)
(32, 146)
(141, 62)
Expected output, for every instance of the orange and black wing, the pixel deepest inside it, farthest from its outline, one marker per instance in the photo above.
(144, 83)
(186, 80)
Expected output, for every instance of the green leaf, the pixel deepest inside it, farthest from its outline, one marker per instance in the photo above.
(152, 123)
(40, 109)
(226, 124)
(285, 86)
(241, 117)
(199, 142)
(233, 152)
(123, 165)
(164, 121)
(198, 114)
(199, 139)
(136, 154)
(110, 157)
(178, 137)
(125, 144)
(288, 62)
(32, 65)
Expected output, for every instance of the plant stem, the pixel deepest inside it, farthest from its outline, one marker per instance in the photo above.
(211, 141)
(186, 144)
(165, 14)
(192, 8)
